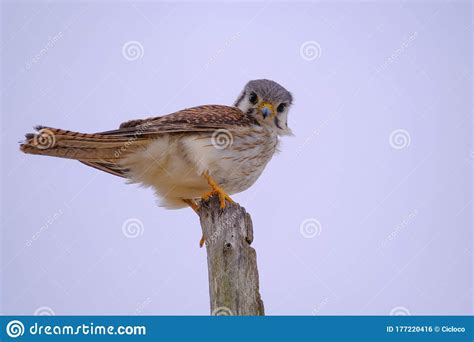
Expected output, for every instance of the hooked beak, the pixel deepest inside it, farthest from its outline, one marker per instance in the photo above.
(266, 109)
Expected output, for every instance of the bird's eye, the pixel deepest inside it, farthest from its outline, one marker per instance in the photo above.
(253, 98)
(281, 107)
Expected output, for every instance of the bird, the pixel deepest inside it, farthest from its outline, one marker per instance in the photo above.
(186, 156)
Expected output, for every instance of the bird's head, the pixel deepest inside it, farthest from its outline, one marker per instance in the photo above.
(268, 102)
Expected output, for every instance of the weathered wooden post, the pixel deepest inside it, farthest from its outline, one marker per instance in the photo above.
(232, 262)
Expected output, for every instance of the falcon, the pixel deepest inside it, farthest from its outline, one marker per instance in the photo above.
(187, 156)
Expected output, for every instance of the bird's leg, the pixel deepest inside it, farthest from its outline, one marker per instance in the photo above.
(192, 203)
(216, 190)
(194, 206)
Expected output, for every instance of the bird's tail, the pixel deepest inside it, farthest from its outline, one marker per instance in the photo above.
(97, 150)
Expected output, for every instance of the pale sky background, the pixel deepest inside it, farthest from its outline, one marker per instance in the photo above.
(382, 155)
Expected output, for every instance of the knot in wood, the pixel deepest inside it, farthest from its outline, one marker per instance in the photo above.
(227, 246)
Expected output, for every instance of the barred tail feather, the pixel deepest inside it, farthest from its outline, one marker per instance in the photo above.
(96, 150)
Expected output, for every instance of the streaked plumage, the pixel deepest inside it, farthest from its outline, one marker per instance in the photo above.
(172, 153)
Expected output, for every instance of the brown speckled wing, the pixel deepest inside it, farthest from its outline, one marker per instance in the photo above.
(201, 118)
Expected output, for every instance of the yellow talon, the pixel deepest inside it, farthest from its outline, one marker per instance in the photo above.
(202, 241)
(192, 203)
(216, 190)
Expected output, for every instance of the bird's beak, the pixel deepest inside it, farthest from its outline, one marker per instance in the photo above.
(266, 109)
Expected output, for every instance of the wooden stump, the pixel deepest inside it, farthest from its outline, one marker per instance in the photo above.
(232, 263)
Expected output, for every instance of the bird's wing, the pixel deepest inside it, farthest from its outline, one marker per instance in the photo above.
(104, 150)
(195, 119)
(109, 166)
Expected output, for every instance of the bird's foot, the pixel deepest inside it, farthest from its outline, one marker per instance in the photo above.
(216, 190)
(220, 193)
(202, 241)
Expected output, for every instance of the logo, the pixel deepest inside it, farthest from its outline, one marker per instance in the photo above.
(132, 228)
(310, 227)
(15, 329)
(221, 139)
(132, 50)
(400, 311)
(310, 50)
(222, 311)
(44, 139)
(44, 311)
(399, 139)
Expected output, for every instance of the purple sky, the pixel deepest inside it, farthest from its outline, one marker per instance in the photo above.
(380, 166)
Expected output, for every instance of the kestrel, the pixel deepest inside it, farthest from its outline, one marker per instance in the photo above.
(188, 155)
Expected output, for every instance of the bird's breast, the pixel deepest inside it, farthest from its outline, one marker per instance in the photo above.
(240, 164)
